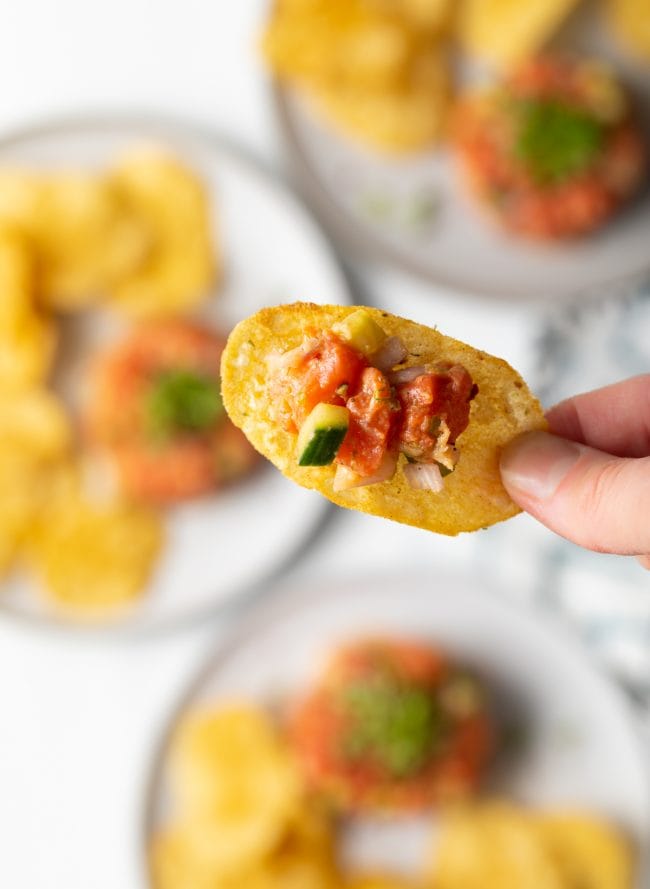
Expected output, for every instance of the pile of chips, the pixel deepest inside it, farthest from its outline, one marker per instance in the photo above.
(136, 239)
(240, 816)
(381, 70)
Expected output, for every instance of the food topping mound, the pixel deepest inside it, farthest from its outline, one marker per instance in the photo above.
(393, 725)
(352, 403)
(554, 151)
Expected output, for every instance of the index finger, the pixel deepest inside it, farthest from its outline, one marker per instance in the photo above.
(614, 419)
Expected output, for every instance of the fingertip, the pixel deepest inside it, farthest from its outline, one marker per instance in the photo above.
(534, 465)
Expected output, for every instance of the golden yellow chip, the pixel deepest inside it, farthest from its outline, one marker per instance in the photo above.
(336, 44)
(26, 351)
(234, 784)
(92, 557)
(505, 32)
(33, 423)
(174, 866)
(473, 495)
(379, 881)
(16, 279)
(630, 20)
(590, 853)
(182, 266)
(83, 237)
(495, 845)
(398, 120)
(27, 339)
(374, 68)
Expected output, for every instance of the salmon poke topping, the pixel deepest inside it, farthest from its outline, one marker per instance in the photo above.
(156, 409)
(393, 725)
(554, 151)
(359, 416)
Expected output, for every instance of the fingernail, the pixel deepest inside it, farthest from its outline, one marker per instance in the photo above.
(536, 463)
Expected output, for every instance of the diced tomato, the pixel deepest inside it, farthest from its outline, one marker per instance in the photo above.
(431, 397)
(373, 414)
(322, 370)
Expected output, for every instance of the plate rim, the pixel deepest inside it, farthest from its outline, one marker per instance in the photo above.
(359, 242)
(282, 600)
(214, 140)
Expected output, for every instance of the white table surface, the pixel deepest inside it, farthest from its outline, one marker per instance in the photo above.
(78, 717)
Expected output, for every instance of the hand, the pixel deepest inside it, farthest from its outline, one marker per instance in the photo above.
(590, 480)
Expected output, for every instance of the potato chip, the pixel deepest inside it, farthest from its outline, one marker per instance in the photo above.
(336, 45)
(170, 202)
(173, 865)
(630, 20)
(16, 279)
(473, 495)
(394, 120)
(27, 338)
(83, 236)
(495, 845)
(26, 352)
(505, 32)
(234, 784)
(92, 557)
(379, 881)
(34, 424)
(590, 853)
(373, 67)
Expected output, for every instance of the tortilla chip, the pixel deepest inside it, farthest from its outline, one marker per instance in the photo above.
(473, 496)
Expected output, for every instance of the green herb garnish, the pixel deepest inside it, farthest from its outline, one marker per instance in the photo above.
(555, 140)
(183, 401)
(396, 725)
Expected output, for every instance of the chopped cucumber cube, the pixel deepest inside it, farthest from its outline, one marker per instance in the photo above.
(321, 435)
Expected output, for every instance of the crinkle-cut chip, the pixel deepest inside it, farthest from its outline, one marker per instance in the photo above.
(234, 783)
(83, 236)
(473, 495)
(495, 845)
(90, 557)
(182, 266)
(505, 32)
(33, 423)
(630, 20)
(589, 852)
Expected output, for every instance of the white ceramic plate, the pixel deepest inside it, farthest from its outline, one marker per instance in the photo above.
(582, 748)
(412, 212)
(219, 546)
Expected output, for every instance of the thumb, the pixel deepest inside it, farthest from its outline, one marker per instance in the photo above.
(596, 500)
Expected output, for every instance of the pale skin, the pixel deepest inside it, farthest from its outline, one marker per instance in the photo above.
(588, 479)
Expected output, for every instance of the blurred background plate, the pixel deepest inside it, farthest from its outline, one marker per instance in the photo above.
(222, 545)
(581, 746)
(411, 212)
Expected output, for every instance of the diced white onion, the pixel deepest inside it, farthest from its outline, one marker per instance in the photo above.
(406, 375)
(424, 476)
(278, 360)
(344, 479)
(392, 352)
